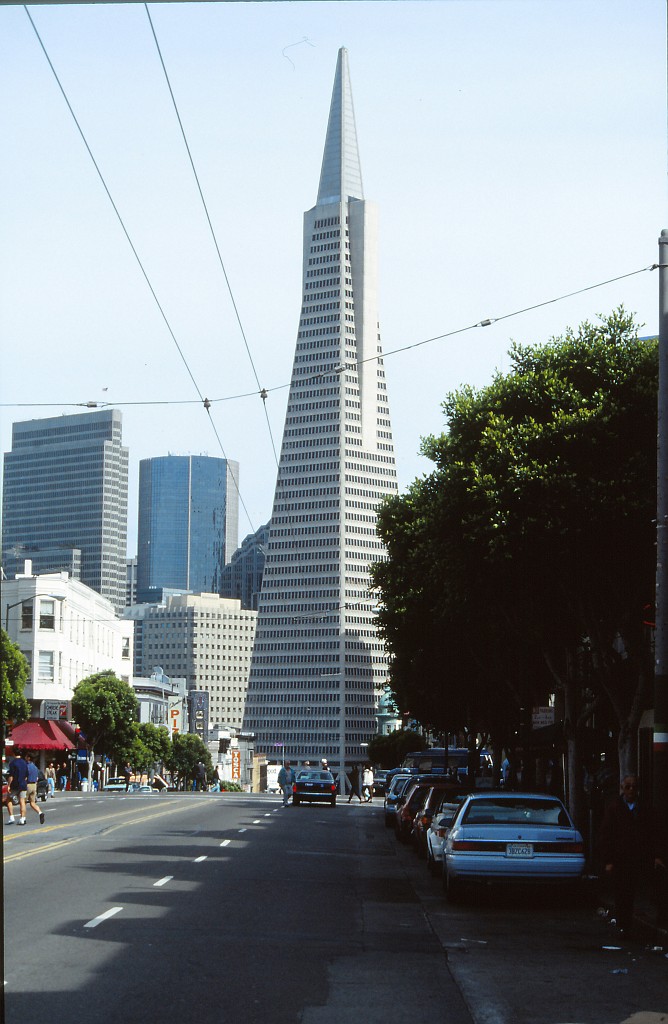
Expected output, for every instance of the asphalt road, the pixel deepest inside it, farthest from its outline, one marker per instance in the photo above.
(227, 907)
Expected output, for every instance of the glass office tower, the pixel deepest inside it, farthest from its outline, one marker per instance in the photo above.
(318, 666)
(188, 523)
(65, 500)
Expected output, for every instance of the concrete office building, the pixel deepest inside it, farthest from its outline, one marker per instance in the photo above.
(188, 523)
(65, 500)
(66, 631)
(207, 640)
(318, 666)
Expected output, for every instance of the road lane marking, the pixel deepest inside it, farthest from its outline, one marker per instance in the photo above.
(198, 860)
(226, 842)
(103, 917)
(163, 881)
(23, 853)
(243, 830)
(258, 821)
(268, 814)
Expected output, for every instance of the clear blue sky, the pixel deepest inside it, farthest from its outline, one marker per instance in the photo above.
(516, 150)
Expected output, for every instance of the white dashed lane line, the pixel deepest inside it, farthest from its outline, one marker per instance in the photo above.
(226, 842)
(103, 917)
(198, 860)
(163, 881)
(242, 830)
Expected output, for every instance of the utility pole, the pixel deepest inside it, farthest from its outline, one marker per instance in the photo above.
(660, 745)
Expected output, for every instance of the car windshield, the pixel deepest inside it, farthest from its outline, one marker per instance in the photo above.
(518, 811)
(399, 783)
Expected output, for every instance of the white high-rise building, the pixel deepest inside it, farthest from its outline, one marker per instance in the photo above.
(318, 666)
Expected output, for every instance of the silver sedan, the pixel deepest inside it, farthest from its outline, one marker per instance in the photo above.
(511, 837)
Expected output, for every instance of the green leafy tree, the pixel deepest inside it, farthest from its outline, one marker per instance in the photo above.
(15, 673)
(106, 709)
(389, 751)
(186, 751)
(150, 747)
(521, 565)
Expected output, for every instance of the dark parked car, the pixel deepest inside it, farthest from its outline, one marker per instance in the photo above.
(395, 790)
(410, 803)
(380, 782)
(439, 793)
(314, 784)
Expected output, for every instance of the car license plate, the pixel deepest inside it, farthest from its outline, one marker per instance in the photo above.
(519, 850)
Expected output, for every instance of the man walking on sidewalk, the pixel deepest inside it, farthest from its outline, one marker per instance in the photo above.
(18, 788)
(286, 779)
(33, 776)
(628, 848)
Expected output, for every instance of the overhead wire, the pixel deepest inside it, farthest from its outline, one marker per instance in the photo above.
(487, 322)
(261, 391)
(203, 400)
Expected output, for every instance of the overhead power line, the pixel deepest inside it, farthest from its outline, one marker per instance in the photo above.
(261, 391)
(487, 322)
(204, 401)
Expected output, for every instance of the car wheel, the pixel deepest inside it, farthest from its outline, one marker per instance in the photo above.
(432, 866)
(332, 802)
(295, 801)
(43, 798)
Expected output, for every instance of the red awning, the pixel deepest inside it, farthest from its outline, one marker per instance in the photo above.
(37, 734)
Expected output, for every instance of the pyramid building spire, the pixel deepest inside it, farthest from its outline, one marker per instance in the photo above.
(318, 667)
(341, 174)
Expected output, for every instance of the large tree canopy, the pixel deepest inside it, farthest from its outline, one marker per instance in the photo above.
(106, 709)
(528, 553)
(15, 671)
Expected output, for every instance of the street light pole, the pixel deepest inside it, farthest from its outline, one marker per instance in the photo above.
(660, 744)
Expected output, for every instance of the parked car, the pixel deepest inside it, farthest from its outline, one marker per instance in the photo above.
(395, 791)
(436, 795)
(116, 784)
(408, 806)
(314, 784)
(437, 830)
(380, 782)
(142, 787)
(511, 837)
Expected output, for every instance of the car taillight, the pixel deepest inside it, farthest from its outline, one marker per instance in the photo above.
(333, 788)
(469, 844)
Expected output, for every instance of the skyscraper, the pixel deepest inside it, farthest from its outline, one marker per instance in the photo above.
(65, 500)
(188, 523)
(318, 665)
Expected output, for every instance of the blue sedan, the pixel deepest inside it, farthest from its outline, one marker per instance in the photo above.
(511, 837)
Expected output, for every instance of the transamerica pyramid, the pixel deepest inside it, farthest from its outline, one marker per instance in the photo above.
(318, 666)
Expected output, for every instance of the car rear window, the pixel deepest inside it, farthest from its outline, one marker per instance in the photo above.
(315, 777)
(522, 811)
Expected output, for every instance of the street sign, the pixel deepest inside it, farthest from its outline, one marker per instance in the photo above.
(542, 717)
(236, 764)
(54, 710)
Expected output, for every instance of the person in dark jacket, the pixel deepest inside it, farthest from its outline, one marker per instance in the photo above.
(628, 845)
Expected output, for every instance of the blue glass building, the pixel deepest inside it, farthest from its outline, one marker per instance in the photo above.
(65, 500)
(188, 523)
